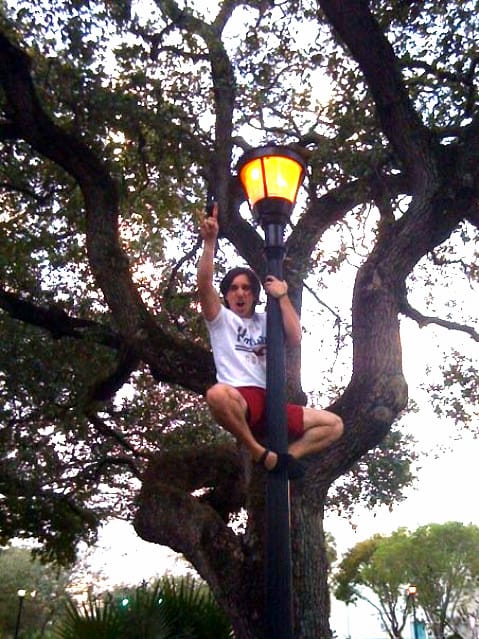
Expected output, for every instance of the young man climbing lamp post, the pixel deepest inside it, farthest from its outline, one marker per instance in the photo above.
(248, 348)
(238, 339)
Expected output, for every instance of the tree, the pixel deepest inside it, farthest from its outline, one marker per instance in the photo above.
(376, 571)
(45, 594)
(441, 560)
(113, 124)
(445, 560)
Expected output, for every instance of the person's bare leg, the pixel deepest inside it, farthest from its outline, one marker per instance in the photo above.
(229, 407)
(322, 428)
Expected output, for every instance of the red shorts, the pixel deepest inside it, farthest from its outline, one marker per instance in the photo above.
(256, 399)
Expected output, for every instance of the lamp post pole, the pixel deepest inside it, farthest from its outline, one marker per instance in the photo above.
(412, 592)
(21, 596)
(271, 177)
(279, 609)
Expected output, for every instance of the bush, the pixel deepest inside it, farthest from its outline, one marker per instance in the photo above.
(192, 609)
(169, 609)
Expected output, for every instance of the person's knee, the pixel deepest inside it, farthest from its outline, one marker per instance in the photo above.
(221, 396)
(337, 427)
(330, 424)
(216, 395)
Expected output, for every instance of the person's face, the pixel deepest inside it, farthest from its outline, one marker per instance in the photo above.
(240, 296)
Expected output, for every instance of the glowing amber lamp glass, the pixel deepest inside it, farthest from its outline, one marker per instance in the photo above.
(271, 176)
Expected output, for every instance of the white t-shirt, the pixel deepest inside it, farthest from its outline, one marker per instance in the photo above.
(239, 348)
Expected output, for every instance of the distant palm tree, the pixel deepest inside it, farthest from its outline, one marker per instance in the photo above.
(93, 620)
(172, 608)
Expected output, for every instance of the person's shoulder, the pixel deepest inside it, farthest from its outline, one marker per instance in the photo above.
(224, 316)
(221, 309)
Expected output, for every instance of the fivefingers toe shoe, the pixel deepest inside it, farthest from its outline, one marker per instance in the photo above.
(293, 467)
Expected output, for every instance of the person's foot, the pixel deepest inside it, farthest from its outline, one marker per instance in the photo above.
(268, 460)
(278, 462)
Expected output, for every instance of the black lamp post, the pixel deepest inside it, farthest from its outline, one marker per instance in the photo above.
(271, 177)
(21, 597)
(411, 593)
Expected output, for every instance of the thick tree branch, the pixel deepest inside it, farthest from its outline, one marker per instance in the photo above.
(31, 123)
(358, 29)
(57, 321)
(197, 526)
(170, 359)
(104, 389)
(215, 474)
(325, 211)
(425, 320)
(108, 261)
(60, 325)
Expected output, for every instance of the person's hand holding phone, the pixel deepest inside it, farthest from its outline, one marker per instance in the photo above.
(209, 227)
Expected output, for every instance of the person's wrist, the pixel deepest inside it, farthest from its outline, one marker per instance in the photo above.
(282, 295)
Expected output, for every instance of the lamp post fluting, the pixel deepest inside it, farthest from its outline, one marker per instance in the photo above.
(271, 177)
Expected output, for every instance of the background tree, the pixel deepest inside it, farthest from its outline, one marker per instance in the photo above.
(45, 588)
(445, 568)
(441, 560)
(114, 120)
(376, 571)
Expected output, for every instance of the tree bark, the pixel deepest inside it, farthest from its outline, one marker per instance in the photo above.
(310, 564)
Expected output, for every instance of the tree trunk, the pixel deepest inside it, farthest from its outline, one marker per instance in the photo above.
(310, 565)
(231, 563)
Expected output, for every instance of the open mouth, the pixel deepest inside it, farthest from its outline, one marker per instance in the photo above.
(240, 305)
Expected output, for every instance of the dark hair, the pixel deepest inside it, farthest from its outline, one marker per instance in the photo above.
(252, 278)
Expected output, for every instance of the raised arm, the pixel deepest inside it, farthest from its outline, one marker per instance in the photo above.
(291, 324)
(209, 298)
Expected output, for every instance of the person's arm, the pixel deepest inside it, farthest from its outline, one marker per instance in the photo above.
(291, 324)
(209, 298)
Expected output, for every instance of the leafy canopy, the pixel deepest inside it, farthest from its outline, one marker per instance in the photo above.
(163, 97)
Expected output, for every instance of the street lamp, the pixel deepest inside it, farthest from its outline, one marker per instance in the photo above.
(21, 597)
(412, 593)
(271, 177)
